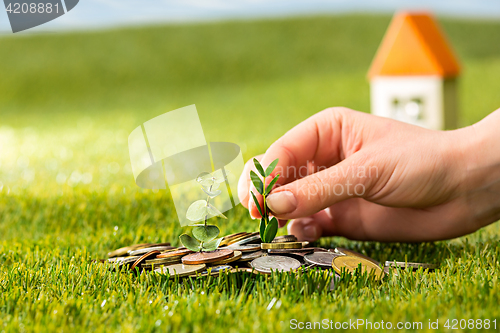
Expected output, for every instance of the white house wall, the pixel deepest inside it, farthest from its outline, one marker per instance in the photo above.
(386, 89)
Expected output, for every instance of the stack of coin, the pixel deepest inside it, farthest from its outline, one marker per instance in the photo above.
(244, 252)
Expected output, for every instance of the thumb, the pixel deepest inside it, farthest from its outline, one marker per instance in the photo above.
(309, 195)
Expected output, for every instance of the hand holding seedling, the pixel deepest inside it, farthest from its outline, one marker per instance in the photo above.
(364, 177)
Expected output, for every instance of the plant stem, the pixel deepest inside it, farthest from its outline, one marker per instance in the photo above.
(208, 200)
(266, 218)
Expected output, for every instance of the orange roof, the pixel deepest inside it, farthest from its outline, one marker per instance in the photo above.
(414, 45)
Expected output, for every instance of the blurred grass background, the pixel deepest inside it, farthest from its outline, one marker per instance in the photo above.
(69, 101)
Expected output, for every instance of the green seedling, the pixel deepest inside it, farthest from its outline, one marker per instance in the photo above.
(268, 227)
(204, 235)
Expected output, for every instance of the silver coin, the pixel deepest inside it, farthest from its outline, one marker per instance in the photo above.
(275, 263)
(149, 249)
(252, 239)
(244, 248)
(414, 265)
(284, 239)
(126, 260)
(323, 259)
(252, 255)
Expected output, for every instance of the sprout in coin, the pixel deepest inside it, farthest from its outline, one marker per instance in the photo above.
(268, 227)
(204, 235)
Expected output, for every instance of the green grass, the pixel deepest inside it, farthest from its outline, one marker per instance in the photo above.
(67, 104)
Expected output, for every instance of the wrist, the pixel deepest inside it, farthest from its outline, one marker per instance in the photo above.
(478, 150)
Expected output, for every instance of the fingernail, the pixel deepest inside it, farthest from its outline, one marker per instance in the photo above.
(282, 202)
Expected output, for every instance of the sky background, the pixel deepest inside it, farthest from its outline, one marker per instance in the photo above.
(95, 14)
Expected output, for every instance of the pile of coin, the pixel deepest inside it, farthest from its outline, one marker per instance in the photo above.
(245, 252)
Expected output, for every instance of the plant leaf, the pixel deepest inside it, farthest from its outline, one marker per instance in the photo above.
(271, 230)
(197, 211)
(214, 211)
(205, 179)
(259, 167)
(271, 167)
(257, 182)
(211, 194)
(218, 176)
(205, 233)
(262, 228)
(257, 203)
(269, 187)
(212, 245)
(189, 242)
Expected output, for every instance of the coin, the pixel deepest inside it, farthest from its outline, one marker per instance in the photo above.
(250, 239)
(244, 248)
(289, 245)
(252, 255)
(176, 253)
(141, 251)
(216, 269)
(207, 257)
(323, 259)
(301, 252)
(151, 266)
(180, 270)
(239, 239)
(236, 256)
(229, 238)
(413, 265)
(352, 253)
(124, 250)
(125, 260)
(350, 263)
(158, 261)
(150, 254)
(275, 263)
(285, 239)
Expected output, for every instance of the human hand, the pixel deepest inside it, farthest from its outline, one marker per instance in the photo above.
(352, 174)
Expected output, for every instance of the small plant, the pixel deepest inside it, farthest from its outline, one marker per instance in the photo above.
(268, 228)
(205, 236)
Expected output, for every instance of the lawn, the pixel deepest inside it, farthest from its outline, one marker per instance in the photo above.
(67, 195)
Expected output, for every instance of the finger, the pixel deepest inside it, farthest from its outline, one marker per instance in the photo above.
(311, 228)
(244, 183)
(359, 219)
(312, 144)
(308, 195)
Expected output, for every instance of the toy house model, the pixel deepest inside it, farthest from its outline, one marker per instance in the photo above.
(413, 75)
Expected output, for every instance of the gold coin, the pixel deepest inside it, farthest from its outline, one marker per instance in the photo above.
(289, 245)
(229, 238)
(352, 253)
(237, 255)
(158, 261)
(350, 263)
(180, 270)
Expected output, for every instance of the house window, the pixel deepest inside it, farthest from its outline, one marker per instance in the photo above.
(414, 109)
